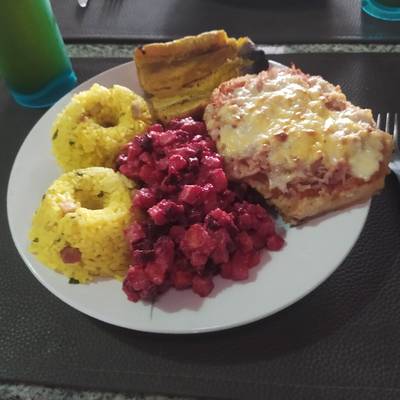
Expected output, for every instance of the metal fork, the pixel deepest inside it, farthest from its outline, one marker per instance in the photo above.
(385, 123)
(83, 3)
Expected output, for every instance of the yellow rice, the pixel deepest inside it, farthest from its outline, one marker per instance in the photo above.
(93, 127)
(87, 209)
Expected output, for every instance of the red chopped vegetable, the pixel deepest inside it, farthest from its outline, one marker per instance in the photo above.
(198, 224)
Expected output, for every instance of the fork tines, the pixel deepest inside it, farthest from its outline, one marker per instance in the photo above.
(389, 123)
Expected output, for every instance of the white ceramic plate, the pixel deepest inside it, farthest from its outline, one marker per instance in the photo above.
(312, 253)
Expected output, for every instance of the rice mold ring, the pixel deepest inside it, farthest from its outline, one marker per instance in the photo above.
(93, 127)
(78, 229)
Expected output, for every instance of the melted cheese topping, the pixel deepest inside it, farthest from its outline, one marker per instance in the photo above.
(287, 121)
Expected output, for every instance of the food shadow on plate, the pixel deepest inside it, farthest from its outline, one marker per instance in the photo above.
(333, 214)
(176, 300)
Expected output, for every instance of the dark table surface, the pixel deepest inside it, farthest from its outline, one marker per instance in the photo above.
(265, 21)
(340, 342)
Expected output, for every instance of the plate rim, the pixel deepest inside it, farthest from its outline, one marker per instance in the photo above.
(81, 308)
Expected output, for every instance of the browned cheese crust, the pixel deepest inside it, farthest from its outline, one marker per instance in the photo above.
(297, 209)
(304, 195)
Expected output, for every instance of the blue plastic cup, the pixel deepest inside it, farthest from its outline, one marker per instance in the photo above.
(388, 10)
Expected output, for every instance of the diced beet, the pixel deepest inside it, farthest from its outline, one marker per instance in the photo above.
(149, 174)
(176, 163)
(202, 285)
(152, 230)
(145, 142)
(199, 228)
(146, 158)
(245, 260)
(134, 150)
(219, 180)
(127, 170)
(136, 279)
(275, 242)
(191, 194)
(221, 217)
(203, 176)
(194, 127)
(197, 138)
(164, 251)
(131, 294)
(211, 223)
(193, 163)
(196, 238)
(253, 259)
(259, 211)
(164, 138)
(134, 233)
(158, 215)
(155, 272)
(220, 254)
(176, 233)
(204, 146)
(145, 244)
(212, 162)
(145, 198)
(227, 198)
(258, 240)
(266, 228)
(186, 152)
(226, 270)
(197, 245)
(240, 266)
(121, 159)
(223, 242)
(199, 259)
(70, 255)
(182, 279)
(247, 221)
(162, 164)
(170, 184)
(239, 273)
(245, 242)
(195, 215)
(209, 198)
(166, 211)
(174, 124)
(141, 257)
(156, 128)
